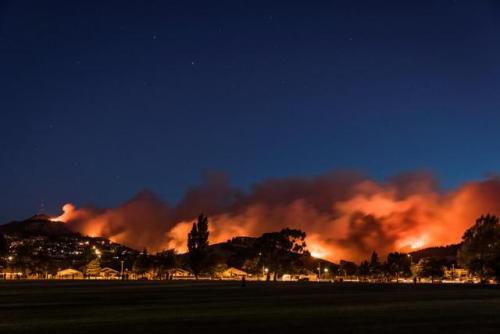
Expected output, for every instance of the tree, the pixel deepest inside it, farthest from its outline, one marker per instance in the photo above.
(167, 259)
(141, 263)
(4, 246)
(252, 265)
(480, 250)
(198, 244)
(398, 265)
(22, 261)
(375, 265)
(364, 269)
(348, 268)
(280, 251)
(432, 267)
(93, 268)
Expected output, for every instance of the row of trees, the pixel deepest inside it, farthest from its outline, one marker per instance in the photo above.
(396, 266)
(283, 252)
(276, 253)
(480, 250)
(479, 253)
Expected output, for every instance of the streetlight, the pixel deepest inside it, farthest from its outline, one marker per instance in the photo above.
(266, 274)
(121, 271)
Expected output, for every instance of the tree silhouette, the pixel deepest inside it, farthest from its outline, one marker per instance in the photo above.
(432, 267)
(364, 269)
(93, 268)
(480, 250)
(348, 268)
(398, 265)
(141, 263)
(164, 261)
(4, 246)
(375, 265)
(280, 251)
(198, 244)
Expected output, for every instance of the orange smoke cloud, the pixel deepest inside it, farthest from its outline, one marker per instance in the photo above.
(345, 215)
(68, 212)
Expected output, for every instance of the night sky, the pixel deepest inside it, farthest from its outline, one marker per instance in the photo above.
(102, 99)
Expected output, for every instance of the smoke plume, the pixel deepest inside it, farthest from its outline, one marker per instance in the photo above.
(346, 215)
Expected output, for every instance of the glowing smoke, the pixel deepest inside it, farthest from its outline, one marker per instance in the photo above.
(345, 215)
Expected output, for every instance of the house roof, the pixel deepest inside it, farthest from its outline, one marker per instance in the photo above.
(109, 270)
(179, 271)
(69, 271)
(234, 271)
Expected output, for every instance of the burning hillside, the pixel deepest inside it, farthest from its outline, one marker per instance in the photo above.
(345, 215)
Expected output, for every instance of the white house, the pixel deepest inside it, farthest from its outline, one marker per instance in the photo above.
(109, 273)
(69, 274)
(233, 273)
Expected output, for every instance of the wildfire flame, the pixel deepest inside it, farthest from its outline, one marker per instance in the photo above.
(68, 210)
(345, 216)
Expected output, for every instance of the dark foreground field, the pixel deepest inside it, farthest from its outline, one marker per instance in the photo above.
(196, 307)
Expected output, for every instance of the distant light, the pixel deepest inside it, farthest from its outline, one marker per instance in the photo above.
(316, 254)
(417, 244)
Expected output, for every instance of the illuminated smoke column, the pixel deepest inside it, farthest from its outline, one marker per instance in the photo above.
(346, 215)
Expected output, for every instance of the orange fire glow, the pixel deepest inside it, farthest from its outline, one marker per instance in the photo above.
(68, 210)
(345, 216)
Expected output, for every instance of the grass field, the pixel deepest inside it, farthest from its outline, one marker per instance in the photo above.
(196, 307)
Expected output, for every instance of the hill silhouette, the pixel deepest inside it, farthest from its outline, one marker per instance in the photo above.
(36, 225)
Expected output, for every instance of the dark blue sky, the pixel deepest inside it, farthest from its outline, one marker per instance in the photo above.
(101, 99)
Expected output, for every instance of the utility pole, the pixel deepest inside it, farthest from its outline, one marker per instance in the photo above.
(121, 271)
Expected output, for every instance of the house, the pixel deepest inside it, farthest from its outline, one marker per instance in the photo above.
(457, 275)
(179, 273)
(233, 273)
(109, 273)
(305, 276)
(6, 274)
(69, 274)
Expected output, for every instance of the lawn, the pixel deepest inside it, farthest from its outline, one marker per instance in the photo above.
(194, 307)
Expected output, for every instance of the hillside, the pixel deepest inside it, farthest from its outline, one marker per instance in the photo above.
(235, 252)
(447, 252)
(36, 225)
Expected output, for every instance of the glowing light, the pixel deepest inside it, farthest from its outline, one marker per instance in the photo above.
(417, 244)
(317, 251)
(68, 210)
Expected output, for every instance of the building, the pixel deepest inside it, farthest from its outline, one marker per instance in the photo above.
(69, 274)
(233, 273)
(6, 274)
(109, 273)
(306, 276)
(458, 275)
(179, 273)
